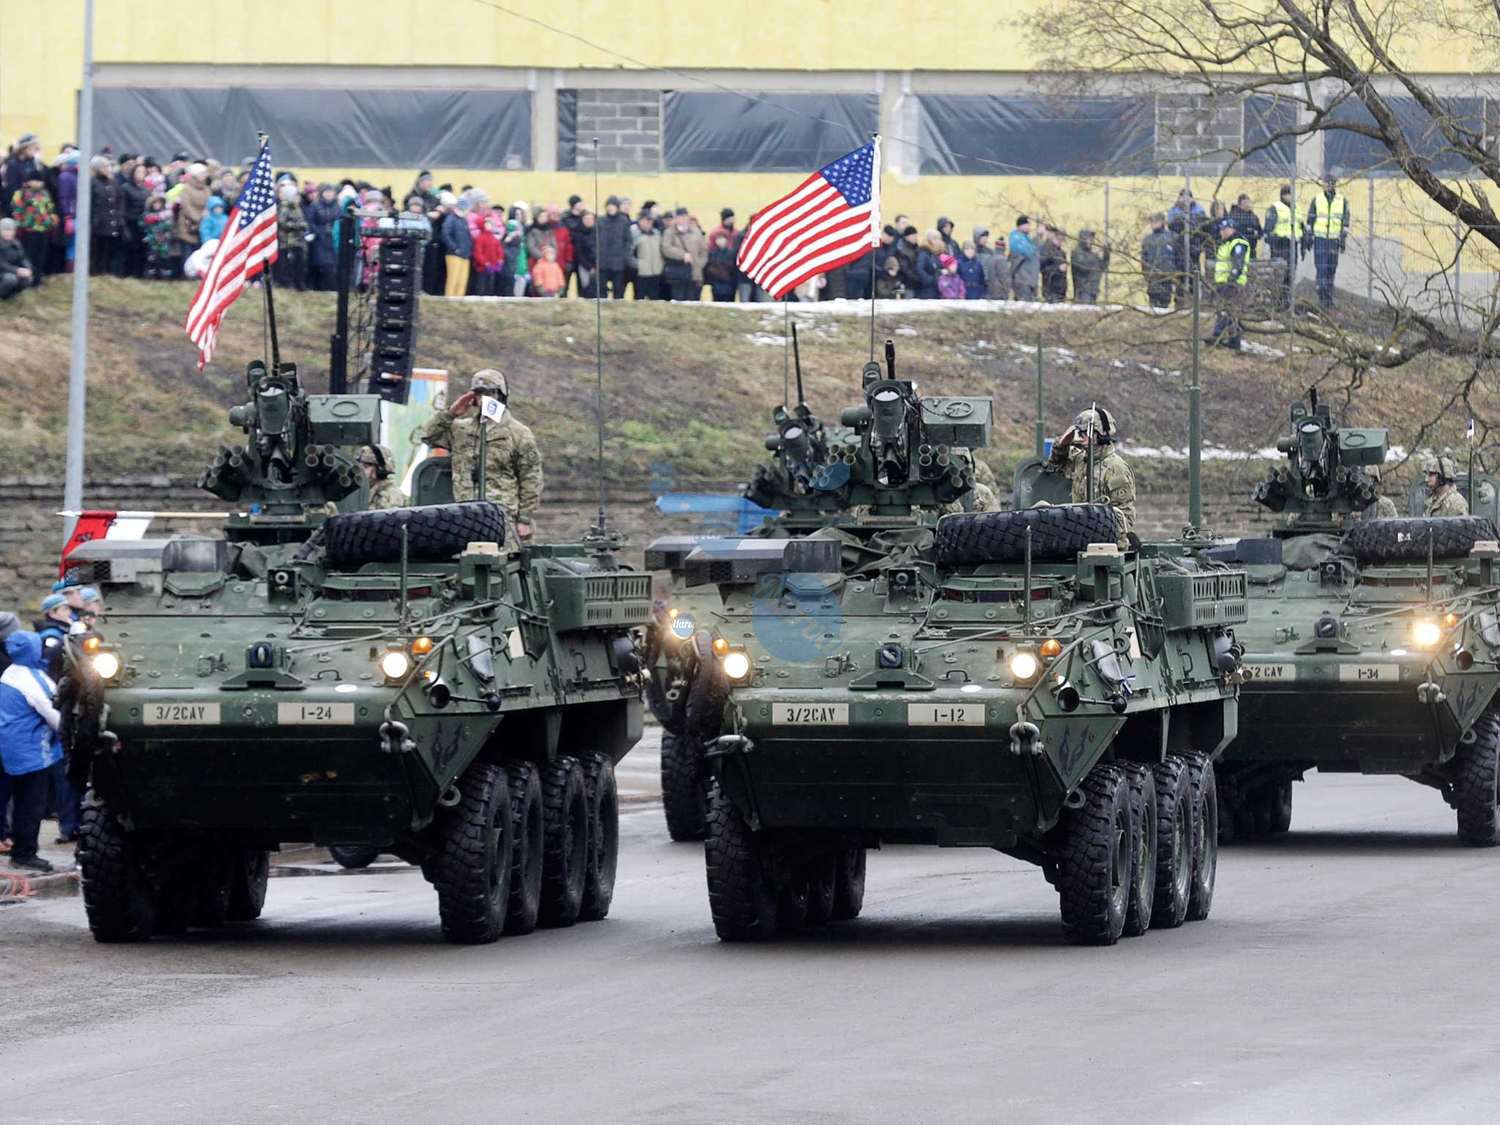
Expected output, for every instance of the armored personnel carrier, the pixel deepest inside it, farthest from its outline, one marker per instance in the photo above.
(1010, 680)
(387, 680)
(1372, 644)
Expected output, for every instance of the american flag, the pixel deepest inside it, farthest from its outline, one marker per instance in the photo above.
(248, 243)
(832, 218)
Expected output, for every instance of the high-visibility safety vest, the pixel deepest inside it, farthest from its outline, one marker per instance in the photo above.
(1287, 226)
(1328, 217)
(1223, 265)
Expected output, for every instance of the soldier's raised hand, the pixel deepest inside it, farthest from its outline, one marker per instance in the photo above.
(462, 403)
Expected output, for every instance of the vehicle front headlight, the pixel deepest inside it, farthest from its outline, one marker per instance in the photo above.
(1426, 634)
(736, 665)
(1024, 666)
(395, 664)
(106, 665)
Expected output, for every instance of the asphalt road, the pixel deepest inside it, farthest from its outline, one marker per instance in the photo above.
(1346, 974)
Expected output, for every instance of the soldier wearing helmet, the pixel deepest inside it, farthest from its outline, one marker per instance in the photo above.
(1114, 483)
(1384, 507)
(1443, 497)
(378, 462)
(980, 498)
(513, 464)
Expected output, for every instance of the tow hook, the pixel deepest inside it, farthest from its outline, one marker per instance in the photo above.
(395, 737)
(1430, 692)
(727, 744)
(1025, 738)
(1075, 799)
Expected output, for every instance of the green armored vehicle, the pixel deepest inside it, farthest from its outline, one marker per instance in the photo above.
(386, 679)
(1012, 680)
(1372, 644)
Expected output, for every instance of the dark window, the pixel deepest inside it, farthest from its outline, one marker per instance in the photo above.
(980, 135)
(722, 132)
(567, 130)
(1347, 152)
(322, 128)
(1269, 147)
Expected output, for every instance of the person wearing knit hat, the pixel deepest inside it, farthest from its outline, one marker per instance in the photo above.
(15, 268)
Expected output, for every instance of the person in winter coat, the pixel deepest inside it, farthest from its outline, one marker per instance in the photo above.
(929, 267)
(1188, 223)
(107, 219)
(721, 269)
(133, 196)
(63, 244)
(686, 253)
(1054, 265)
(29, 746)
(458, 246)
(908, 250)
(156, 238)
(614, 248)
(488, 258)
(35, 221)
(649, 263)
(23, 162)
(547, 276)
(971, 270)
(290, 269)
(214, 220)
(888, 285)
(1022, 258)
(192, 205)
(1247, 222)
(585, 254)
(1158, 262)
(517, 266)
(322, 257)
(945, 232)
(950, 286)
(1089, 263)
(996, 286)
(15, 268)
(545, 231)
(60, 610)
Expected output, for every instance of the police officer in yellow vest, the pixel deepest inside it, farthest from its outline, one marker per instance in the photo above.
(1327, 232)
(1283, 238)
(1231, 274)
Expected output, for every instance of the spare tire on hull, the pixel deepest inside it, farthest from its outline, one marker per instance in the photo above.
(1058, 533)
(1405, 540)
(435, 532)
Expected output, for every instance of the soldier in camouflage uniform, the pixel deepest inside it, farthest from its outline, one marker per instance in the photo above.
(1114, 483)
(377, 462)
(1384, 507)
(513, 468)
(981, 498)
(1443, 496)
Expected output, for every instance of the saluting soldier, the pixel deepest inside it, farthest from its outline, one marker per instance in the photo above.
(1443, 496)
(385, 490)
(513, 464)
(1114, 483)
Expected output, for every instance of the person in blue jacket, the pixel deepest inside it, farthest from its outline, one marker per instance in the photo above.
(215, 219)
(59, 618)
(971, 269)
(29, 745)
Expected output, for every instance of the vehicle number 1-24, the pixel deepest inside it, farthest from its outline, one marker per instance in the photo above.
(315, 714)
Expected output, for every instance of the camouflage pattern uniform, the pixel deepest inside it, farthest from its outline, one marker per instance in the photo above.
(1448, 501)
(1114, 483)
(513, 468)
(1385, 508)
(385, 491)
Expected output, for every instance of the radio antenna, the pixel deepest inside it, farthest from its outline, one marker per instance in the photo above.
(598, 340)
(797, 362)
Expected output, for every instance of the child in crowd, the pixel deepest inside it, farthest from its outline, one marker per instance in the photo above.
(719, 273)
(36, 219)
(214, 220)
(950, 285)
(888, 280)
(546, 275)
(516, 267)
(488, 257)
(156, 232)
(971, 269)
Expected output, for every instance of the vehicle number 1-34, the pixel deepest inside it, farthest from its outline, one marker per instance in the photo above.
(315, 714)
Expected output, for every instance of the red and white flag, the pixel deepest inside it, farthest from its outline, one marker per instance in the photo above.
(833, 217)
(248, 243)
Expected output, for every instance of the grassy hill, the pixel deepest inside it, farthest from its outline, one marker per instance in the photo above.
(690, 385)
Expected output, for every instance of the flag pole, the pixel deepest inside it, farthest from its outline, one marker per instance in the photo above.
(265, 274)
(874, 238)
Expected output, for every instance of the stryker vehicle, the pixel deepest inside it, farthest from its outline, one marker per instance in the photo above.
(1372, 644)
(384, 680)
(857, 480)
(1011, 681)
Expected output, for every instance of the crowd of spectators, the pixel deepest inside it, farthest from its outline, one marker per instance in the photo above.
(163, 221)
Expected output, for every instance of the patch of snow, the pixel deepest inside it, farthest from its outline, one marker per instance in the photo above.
(766, 340)
(906, 331)
(1255, 348)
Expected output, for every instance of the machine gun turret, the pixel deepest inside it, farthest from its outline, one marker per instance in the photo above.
(292, 461)
(1324, 478)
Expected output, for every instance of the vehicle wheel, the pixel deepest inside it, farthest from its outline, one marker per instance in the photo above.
(822, 887)
(247, 884)
(565, 842)
(436, 532)
(215, 887)
(1474, 786)
(116, 896)
(472, 872)
(849, 884)
(1058, 534)
(604, 838)
(1380, 542)
(684, 791)
(741, 895)
(1143, 848)
(527, 831)
(1279, 808)
(1094, 870)
(353, 857)
(1205, 799)
(1174, 843)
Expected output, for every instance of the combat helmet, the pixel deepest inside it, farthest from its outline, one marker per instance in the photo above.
(491, 379)
(1443, 466)
(1098, 421)
(380, 456)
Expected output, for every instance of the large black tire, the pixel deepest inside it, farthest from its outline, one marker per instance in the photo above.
(215, 889)
(1057, 534)
(565, 849)
(849, 884)
(741, 893)
(1143, 857)
(528, 829)
(684, 788)
(604, 838)
(1475, 795)
(1094, 869)
(434, 533)
(247, 884)
(1174, 843)
(1205, 798)
(353, 857)
(1405, 540)
(472, 872)
(116, 895)
(822, 887)
(1279, 808)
